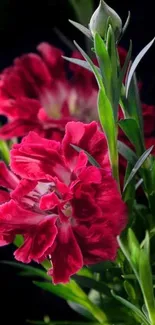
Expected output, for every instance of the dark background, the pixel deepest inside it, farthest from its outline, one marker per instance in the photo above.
(24, 24)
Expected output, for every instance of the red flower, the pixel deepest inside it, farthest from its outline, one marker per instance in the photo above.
(35, 94)
(64, 207)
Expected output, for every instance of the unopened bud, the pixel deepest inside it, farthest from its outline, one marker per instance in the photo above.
(99, 19)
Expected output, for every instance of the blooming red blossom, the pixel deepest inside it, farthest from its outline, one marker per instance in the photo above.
(35, 94)
(64, 207)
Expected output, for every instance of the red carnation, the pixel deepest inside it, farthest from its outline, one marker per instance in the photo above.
(64, 207)
(36, 94)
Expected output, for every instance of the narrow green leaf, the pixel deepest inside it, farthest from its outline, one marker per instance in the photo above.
(132, 307)
(134, 248)
(132, 131)
(82, 63)
(146, 244)
(93, 67)
(64, 39)
(72, 292)
(130, 290)
(101, 267)
(127, 153)
(146, 281)
(126, 23)
(82, 28)
(80, 310)
(129, 193)
(125, 66)
(111, 48)
(108, 123)
(138, 165)
(135, 64)
(85, 282)
(104, 63)
(123, 244)
(85, 271)
(138, 184)
(29, 270)
(134, 104)
(90, 158)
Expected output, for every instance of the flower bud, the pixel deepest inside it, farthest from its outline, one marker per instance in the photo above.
(99, 19)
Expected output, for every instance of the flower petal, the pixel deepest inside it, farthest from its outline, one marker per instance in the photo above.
(97, 243)
(37, 158)
(88, 138)
(38, 241)
(66, 258)
(7, 178)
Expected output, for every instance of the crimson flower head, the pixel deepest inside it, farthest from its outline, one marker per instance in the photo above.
(64, 207)
(36, 94)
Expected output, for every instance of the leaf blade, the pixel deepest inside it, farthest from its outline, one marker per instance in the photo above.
(136, 62)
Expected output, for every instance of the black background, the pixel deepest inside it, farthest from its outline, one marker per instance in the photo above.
(24, 24)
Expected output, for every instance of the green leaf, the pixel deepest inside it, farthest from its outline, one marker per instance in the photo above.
(138, 184)
(131, 307)
(104, 63)
(64, 39)
(90, 158)
(130, 290)
(85, 282)
(101, 267)
(123, 244)
(126, 23)
(82, 28)
(129, 193)
(107, 121)
(146, 281)
(111, 48)
(92, 66)
(85, 271)
(125, 66)
(82, 63)
(135, 64)
(134, 248)
(138, 165)
(146, 244)
(80, 310)
(72, 292)
(28, 270)
(132, 131)
(132, 105)
(127, 153)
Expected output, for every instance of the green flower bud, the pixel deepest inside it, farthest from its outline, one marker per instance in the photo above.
(99, 19)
